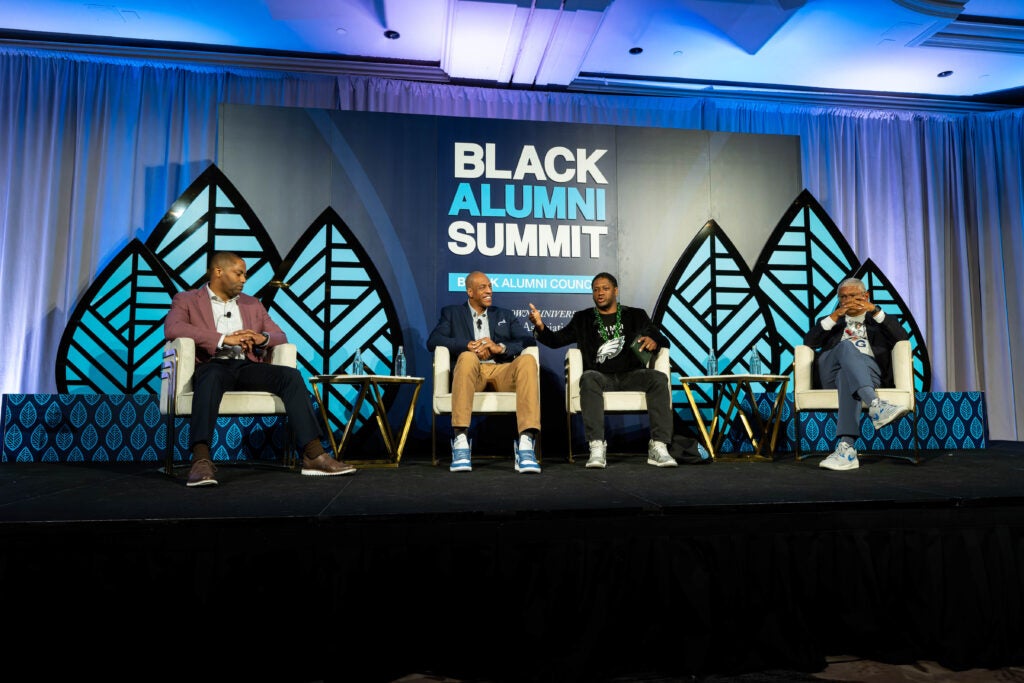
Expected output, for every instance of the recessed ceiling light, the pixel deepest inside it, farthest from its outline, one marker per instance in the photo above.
(635, 50)
(340, 31)
(944, 74)
(677, 53)
(392, 35)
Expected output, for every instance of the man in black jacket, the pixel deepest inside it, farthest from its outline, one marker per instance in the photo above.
(856, 343)
(604, 335)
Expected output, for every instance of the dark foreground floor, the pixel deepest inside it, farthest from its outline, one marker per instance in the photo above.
(710, 572)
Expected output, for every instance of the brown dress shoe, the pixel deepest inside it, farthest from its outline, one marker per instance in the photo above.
(324, 465)
(203, 473)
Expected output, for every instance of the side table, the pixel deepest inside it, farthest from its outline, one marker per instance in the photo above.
(731, 389)
(371, 388)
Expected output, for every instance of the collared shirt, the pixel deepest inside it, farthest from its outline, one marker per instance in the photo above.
(228, 318)
(481, 327)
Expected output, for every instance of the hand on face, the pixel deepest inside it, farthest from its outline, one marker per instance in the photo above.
(852, 301)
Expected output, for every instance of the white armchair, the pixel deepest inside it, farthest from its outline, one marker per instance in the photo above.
(614, 401)
(176, 392)
(805, 397)
(484, 402)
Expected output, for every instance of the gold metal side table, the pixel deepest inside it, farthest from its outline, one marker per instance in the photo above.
(731, 389)
(371, 388)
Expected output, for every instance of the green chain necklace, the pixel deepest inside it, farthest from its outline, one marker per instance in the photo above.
(600, 323)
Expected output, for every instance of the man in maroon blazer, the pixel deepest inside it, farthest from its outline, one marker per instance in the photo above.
(232, 332)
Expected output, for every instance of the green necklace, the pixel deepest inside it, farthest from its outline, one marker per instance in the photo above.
(600, 323)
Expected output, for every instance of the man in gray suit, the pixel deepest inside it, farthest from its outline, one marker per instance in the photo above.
(487, 344)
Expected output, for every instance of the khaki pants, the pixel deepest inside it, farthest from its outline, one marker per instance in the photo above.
(471, 376)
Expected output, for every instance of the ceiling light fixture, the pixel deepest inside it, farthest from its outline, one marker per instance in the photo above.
(340, 31)
(392, 35)
(635, 50)
(945, 74)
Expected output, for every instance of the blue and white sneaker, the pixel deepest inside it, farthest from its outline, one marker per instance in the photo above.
(462, 460)
(526, 459)
(704, 455)
(844, 457)
(882, 412)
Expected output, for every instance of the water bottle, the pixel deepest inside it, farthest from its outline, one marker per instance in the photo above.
(712, 364)
(755, 363)
(400, 362)
(357, 363)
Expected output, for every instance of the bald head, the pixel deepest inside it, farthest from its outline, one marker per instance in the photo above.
(478, 287)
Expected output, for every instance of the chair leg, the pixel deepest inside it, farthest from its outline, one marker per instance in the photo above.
(172, 440)
(568, 434)
(433, 438)
(913, 426)
(799, 436)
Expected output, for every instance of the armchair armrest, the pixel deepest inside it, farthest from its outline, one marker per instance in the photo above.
(442, 371)
(179, 364)
(803, 357)
(283, 354)
(903, 366)
(573, 371)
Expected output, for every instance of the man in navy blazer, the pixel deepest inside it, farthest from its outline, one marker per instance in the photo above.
(487, 343)
(856, 342)
(232, 332)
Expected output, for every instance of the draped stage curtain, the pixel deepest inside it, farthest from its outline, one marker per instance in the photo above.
(93, 151)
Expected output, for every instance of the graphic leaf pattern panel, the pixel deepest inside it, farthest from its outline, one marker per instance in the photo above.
(113, 342)
(802, 263)
(212, 216)
(709, 304)
(332, 305)
(885, 295)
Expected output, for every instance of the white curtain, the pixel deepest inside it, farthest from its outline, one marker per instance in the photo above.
(94, 150)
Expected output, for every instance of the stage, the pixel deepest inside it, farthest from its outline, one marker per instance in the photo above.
(572, 575)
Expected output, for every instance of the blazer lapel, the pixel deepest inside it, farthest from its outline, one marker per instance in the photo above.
(202, 301)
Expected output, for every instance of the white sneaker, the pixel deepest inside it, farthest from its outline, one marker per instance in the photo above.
(597, 455)
(882, 412)
(462, 460)
(657, 455)
(844, 457)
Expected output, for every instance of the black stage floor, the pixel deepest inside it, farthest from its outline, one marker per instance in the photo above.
(574, 574)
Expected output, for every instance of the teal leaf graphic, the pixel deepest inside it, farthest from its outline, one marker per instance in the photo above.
(103, 416)
(64, 438)
(114, 340)
(114, 438)
(138, 438)
(152, 415)
(801, 264)
(12, 438)
(126, 416)
(28, 415)
(90, 438)
(332, 305)
(54, 415)
(79, 414)
(39, 438)
(885, 295)
(210, 216)
(709, 304)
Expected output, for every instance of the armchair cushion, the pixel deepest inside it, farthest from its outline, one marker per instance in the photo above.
(483, 401)
(805, 397)
(614, 401)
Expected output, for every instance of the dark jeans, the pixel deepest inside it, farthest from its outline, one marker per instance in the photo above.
(593, 384)
(215, 377)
